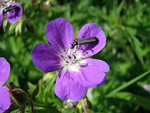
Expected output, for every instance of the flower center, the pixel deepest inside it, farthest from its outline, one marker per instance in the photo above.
(72, 59)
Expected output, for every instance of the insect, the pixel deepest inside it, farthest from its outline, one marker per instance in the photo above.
(4, 5)
(84, 41)
(9, 8)
(4, 1)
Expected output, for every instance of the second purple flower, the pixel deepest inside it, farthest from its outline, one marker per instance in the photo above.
(78, 70)
(4, 91)
(11, 10)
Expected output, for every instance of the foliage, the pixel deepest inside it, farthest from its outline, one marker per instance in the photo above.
(127, 28)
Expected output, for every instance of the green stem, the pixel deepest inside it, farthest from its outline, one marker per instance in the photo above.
(21, 109)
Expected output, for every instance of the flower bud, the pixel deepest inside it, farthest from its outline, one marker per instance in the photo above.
(19, 96)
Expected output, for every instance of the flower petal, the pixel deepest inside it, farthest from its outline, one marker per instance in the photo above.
(46, 58)
(92, 30)
(4, 70)
(68, 88)
(93, 73)
(59, 33)
(1, 17)
(4, 99)
(14, 14)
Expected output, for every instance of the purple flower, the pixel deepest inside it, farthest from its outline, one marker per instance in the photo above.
(4, 91)
(146, 87)
(79, 71)
(1, 18)
(13, 14)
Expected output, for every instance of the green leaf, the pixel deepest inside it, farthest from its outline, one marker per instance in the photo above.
(32, 87)
(5, 22)
(127, 84)
(136, 44)
(142, 101)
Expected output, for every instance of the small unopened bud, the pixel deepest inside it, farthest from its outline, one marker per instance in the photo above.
(19, 96)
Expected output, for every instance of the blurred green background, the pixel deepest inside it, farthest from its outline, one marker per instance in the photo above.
(126, 24)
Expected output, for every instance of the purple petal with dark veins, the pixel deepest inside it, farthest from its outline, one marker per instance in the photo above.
(67, 88)
(93, 73)
(4, 99)
(59, 33)
(46, 57)
(4, 70)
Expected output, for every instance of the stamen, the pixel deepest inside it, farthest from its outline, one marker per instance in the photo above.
(83, 63)
(69, 57)
(74, 56)
(67, 62)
